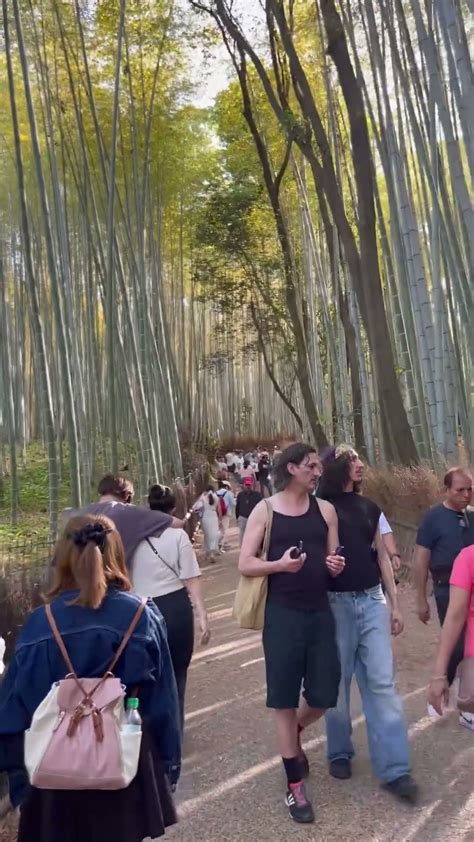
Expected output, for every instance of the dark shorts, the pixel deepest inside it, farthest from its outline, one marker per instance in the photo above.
(300, 651)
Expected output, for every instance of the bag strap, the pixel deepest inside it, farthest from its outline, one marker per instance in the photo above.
(128, 634)
(268, 529)
(119, 652)
(158, 555)
(59, 640)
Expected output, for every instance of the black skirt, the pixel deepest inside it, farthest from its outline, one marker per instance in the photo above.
(145, 808)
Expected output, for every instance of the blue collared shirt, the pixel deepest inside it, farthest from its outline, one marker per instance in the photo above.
(92, 636)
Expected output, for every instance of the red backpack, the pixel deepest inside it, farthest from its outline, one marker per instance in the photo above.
(222, 505)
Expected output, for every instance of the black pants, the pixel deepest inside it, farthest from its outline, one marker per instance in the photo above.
(441, 595)
(178, 615)
(265, 484)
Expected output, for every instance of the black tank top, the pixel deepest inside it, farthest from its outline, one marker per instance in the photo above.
(307, 589)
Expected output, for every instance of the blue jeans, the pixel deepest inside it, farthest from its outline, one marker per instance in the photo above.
(363, 638)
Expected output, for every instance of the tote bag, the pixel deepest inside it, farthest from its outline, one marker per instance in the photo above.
(251, 594)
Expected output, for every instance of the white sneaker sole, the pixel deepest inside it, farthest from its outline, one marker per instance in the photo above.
(433, 713)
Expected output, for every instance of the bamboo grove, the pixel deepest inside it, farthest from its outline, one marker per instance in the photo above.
(295, 257)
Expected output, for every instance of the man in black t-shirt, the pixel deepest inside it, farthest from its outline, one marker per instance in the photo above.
(444, 531)
(363, 632)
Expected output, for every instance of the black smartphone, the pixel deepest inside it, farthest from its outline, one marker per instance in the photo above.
(296, 551)
(339, 551)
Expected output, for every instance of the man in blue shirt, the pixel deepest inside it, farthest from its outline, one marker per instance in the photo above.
(444, 531)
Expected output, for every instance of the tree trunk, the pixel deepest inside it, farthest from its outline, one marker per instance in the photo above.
(388, 386)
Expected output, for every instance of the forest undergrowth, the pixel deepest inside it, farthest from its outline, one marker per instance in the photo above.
(403, 493)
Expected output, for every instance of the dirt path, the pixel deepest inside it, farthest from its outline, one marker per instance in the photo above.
(232, 784)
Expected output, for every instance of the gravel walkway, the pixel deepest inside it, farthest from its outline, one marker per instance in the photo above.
(232, 785)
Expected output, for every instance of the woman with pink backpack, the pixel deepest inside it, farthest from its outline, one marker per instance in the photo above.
(89, 703)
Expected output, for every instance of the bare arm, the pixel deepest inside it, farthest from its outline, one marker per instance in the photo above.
(329, 514)
(451, 629)
(335, 564)
(386, 571)
(391, 546)
(193, 587)
(249, 563)
(422, 562)
(389, 582)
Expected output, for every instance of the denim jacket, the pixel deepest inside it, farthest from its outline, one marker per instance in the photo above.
(92, 636)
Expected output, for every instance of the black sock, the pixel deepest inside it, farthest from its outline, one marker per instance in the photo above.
(292, 769)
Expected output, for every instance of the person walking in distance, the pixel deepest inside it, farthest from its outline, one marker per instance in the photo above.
(226, 504)
(299, 633)
(247, 471)
(264, 473)
(363, 632)
(207, 507)
(246, 501)
(444, 531)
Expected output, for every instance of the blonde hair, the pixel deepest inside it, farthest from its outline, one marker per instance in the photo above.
(89, 557)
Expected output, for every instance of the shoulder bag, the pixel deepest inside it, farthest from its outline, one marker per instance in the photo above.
(251, 594)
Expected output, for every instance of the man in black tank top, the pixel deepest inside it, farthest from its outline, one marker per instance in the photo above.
(363, 627)
(299, 634)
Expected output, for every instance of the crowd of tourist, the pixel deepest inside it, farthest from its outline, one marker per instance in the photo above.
(92, 706)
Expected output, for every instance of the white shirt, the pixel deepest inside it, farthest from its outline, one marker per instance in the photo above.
(384, 525)
(230, 459)
(158, 575)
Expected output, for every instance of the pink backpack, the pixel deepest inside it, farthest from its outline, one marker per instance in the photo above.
(78, 737)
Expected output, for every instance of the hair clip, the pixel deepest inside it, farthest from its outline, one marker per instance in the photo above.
(95, 533)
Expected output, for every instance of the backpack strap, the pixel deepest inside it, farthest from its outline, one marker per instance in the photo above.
(119, 652)
(128, 634)
(58, 639)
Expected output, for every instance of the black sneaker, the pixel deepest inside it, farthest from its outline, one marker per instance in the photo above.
(304, 764)
(299, 807)
(403, 788)
(341, 768)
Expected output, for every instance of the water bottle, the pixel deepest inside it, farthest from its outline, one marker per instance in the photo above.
(133, 722)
